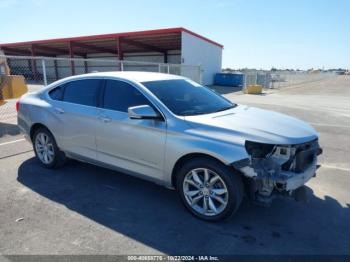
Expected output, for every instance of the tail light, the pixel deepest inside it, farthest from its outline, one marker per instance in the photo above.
(18, 105)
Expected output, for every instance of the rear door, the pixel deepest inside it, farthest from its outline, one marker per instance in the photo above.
(132, 144)
(76, 116)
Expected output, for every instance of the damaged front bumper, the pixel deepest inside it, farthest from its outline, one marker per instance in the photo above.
(281, 170)
(290, 181)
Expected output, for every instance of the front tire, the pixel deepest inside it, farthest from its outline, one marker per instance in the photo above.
(209, 189)
(46, 149)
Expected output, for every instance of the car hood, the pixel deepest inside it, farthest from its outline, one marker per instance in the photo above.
(249, 123)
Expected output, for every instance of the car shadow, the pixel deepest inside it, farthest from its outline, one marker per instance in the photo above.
(9, 129)
(154, 216)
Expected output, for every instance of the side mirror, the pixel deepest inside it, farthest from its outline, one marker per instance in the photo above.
(143, 112)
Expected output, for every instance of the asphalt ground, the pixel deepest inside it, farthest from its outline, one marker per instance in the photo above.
(83, 209)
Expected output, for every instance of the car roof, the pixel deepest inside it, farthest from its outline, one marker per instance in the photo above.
(132, 75)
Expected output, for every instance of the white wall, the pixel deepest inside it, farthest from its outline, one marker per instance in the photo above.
(196, 51)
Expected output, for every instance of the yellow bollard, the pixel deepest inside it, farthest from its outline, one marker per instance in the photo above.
(253, 89)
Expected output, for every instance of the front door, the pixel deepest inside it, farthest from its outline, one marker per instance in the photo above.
(132, 144)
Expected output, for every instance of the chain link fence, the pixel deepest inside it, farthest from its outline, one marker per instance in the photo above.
(36, 72)
(283, 79)
(43, 70)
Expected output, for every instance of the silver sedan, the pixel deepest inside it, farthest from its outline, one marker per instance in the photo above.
(175, 132)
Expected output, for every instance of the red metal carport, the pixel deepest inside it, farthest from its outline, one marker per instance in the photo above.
(160, 41)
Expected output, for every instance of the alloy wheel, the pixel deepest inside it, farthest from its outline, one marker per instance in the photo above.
(205, 191)
(44, 148)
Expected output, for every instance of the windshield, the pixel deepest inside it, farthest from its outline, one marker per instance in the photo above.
(185, 97)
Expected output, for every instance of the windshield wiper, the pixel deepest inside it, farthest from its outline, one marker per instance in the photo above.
(225, 108)
(193, 113)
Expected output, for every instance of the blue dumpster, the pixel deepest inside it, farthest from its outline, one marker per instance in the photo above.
(228, 79)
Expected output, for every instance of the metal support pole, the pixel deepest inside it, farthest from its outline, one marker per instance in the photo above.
(168, 69)
(200, 74)
(86, 68)
(9, 63)
(34, 69)
(44, 72)
(30, 65)
(120, 53)
(256, 79)
(71, 54)
(119, 49)
(159, 68)
(56, 69)
(165, 55)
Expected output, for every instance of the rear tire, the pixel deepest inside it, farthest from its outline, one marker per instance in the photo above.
(209, 190)
(46, 150)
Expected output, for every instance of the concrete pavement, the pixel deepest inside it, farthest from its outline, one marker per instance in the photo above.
(83, 209)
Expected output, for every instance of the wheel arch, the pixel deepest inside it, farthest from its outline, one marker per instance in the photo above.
(35, 127)
(185, 158)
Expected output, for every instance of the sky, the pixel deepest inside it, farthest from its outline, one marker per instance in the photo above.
(298, 34)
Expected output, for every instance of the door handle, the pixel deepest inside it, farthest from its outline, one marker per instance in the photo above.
(59, 110)
(105, 119)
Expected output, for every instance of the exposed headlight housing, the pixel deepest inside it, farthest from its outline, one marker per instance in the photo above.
(258, 150)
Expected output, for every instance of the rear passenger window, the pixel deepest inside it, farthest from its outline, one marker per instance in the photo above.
(120, 96)
(83, 92)
(57, 93)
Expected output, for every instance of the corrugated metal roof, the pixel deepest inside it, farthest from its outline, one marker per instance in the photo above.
(159, 40)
